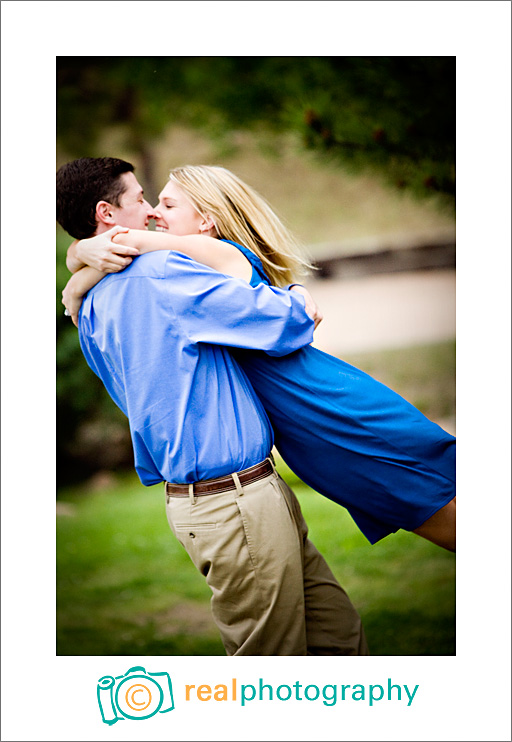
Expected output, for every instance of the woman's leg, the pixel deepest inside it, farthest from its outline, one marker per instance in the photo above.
(440, 527)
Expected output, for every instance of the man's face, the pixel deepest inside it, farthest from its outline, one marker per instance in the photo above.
(134, 212)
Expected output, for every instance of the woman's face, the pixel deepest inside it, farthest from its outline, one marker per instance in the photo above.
(176, 215)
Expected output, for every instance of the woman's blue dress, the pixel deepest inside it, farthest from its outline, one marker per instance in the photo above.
(351, 438)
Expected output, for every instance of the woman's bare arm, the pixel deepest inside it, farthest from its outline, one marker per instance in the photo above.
(101, 252)
(221, 256)
(112, 251)
(73, 264)
(76, 288)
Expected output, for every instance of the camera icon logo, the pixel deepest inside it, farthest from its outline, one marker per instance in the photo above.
(136, 695)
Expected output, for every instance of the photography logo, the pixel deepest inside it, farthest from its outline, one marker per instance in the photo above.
(135, 695)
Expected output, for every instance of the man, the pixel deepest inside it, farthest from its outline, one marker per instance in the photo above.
(157, 335)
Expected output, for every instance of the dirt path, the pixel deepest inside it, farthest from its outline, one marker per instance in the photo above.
(385, 311)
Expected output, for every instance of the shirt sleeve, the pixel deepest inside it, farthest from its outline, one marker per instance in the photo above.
(222, 310)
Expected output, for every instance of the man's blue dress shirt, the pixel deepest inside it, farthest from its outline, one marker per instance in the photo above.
(156, 333)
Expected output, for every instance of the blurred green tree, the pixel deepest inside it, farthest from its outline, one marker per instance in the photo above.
(395, 115)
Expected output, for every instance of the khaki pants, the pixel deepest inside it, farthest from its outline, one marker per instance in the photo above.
(272, 591)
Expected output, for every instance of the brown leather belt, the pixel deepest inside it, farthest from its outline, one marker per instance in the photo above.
(221, 484)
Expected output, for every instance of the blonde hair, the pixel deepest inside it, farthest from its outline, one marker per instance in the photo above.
(242, 215)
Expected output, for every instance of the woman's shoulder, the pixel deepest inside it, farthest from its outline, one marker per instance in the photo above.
(259, 274)
(251, 257)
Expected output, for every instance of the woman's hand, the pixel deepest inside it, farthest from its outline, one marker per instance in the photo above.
(72, 300)
(77, 287)
(101, 253)
(311, 306)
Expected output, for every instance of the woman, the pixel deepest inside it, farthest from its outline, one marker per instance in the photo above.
(343, 433)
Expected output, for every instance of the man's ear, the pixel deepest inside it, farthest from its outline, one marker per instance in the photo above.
(104, 213)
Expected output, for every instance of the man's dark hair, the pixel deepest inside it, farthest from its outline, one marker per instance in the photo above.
(81, 184)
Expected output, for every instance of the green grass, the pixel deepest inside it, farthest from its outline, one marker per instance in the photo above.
(403, 586)
(126, 587)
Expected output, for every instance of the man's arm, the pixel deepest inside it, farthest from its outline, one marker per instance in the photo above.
(221, 310)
